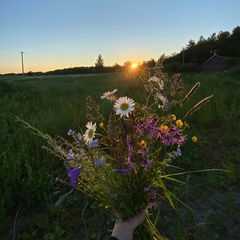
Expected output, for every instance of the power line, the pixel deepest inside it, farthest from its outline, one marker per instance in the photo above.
(46, 58)
(33, 54)
(10, 49)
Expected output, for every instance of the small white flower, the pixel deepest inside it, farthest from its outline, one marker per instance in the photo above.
(123, 106)
(109, 95)
(90, 132)
(163, 99)
(158, 81)
(153, 79)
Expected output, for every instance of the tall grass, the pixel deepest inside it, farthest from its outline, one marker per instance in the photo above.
(55, 104)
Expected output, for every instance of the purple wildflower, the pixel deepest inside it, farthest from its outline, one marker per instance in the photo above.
(78, 144)
(122, 171)
(131, 166)
(70, 132)
(72, 174)
(146, 189)
(177, 137)
(179, 153)
(100, 162)
(173, 136)
(93, 143)
(175, 154)
(70, 154)
(79, 135)
(153, 205)
(140, 127)
(154, 197)
(147, 164)
(129, 144)
(143, 151)
(57, 149)
(151, 127)
(166, 138)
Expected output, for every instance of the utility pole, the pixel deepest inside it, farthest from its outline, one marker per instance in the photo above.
(22, 63)
(183, 56)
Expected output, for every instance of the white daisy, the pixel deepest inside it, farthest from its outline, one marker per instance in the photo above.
(123, 106)
(109, 95)
(90, 132)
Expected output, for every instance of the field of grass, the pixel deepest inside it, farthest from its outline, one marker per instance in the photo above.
(55, 104)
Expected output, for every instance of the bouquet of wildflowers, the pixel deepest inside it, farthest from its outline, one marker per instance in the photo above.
(123, 161)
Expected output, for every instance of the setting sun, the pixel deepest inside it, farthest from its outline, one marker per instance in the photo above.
(134, 65)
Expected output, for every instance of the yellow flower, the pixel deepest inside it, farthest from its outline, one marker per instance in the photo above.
(179, 123)
(173, 117)
(101, 124)
(194, 139)
(143, 144)
(164, 128)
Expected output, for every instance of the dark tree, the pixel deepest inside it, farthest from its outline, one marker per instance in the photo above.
(99, 64)
(151, 63)
(191, 44)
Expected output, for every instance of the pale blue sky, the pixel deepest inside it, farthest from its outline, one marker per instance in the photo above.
(60, 34)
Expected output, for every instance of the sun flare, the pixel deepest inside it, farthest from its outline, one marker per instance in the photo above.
(134, 65)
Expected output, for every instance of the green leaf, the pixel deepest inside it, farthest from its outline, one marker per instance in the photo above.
(166, 192)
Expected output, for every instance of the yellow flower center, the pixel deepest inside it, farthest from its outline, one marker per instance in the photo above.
(90, 133)
(124, 106)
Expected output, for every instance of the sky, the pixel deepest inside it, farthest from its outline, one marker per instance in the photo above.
(57, 34)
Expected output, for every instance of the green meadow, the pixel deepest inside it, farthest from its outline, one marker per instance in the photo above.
(55, 104)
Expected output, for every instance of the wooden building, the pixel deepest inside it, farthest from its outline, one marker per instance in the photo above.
(214, 63)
